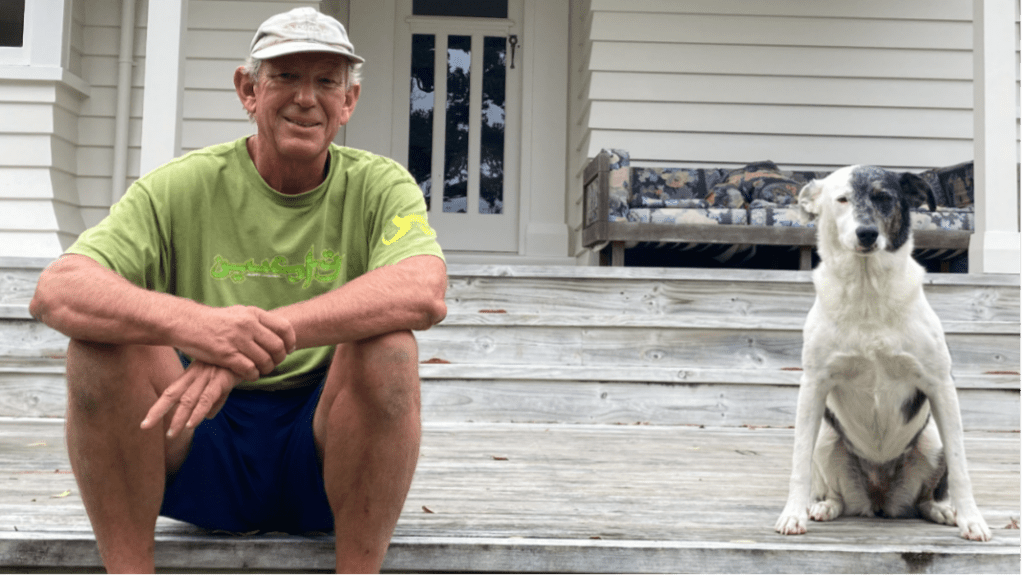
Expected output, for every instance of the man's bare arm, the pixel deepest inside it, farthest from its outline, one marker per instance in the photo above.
(84, 300)
(407, 295)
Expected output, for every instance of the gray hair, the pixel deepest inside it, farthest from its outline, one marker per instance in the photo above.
(353, 77)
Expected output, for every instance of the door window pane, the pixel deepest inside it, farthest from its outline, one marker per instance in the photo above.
(464, 8)
(421, 112)
(492, 127)
(456, 146)
(12, 22)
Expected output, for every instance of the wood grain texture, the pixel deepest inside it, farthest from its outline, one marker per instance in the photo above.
(563, 499)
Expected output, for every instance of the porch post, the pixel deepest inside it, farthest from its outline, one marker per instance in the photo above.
(995, 244)
(164, 83)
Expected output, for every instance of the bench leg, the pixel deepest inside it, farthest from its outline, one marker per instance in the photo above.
(806, 255)
(618, 253)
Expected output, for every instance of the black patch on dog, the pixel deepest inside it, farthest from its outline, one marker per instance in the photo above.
(882, 199)
(833, 421)
(912, 406)
(942, 488)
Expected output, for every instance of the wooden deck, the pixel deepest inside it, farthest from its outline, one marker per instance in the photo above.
(550, 498)
(577, 420)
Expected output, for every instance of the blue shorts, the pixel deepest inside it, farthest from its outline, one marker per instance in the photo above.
(254, 467)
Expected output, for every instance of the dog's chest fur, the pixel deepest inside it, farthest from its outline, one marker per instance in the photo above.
(867, 327)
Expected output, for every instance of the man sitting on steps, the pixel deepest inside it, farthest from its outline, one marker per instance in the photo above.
(241, 353)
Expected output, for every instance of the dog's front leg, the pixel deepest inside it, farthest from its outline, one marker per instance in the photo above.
(810, 408)
(946, 411)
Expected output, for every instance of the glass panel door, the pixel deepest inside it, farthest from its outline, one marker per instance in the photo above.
(461, 129)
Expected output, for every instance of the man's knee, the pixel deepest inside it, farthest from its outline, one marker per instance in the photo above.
(389, 371)
(104, 377)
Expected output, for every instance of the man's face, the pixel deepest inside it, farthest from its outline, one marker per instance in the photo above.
(300, 102)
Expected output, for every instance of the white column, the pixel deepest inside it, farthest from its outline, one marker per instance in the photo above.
(995, 244)
(164, 88)
(544, 56)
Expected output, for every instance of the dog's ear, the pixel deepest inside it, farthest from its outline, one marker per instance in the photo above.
(917, 191)
(808, 200)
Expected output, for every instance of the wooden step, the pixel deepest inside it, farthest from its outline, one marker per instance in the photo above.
(549, 498)
(556, 394)
(592, 345)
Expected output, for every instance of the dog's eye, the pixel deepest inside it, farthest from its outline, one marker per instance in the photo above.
(842, 200)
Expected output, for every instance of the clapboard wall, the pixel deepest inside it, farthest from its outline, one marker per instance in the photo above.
(101, 31)
(809, 85)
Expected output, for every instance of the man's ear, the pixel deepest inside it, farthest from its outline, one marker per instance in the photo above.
(808, 200)
(246, 90)
(351, 99)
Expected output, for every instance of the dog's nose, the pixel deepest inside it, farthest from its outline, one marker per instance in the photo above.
(867, 236)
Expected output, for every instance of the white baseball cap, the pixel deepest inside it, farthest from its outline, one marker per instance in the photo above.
(301, 30)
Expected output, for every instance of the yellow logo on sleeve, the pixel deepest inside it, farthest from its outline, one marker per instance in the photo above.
(404, 225)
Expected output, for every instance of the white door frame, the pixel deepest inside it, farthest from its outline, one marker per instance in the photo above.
(468, 231)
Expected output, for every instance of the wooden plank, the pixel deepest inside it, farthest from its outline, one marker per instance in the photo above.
(609, 402)
(785, 90)
(755, 30)
(667, 499)
(786, 150)
(821, 61)
(573, 394)
(742, 348)
(17, 285)
(747, 118)
(783, 296)
(870, 9)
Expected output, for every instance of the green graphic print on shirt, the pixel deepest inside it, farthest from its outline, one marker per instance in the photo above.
(325, 269)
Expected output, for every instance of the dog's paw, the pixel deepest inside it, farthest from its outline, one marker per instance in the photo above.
(940, 513)
(789, 525)
(826, 510)
(974, 529)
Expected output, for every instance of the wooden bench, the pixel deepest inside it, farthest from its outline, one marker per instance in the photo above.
(600, 231)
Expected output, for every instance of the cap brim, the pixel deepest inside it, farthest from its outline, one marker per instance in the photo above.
(294, 47)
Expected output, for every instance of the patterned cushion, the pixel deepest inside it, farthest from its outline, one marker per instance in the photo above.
(758, 181)
(943, 219)
(953, 186)
(758, 194)
(768, 215)
(709, 216)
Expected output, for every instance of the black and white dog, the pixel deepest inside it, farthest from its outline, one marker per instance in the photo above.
(878, 429)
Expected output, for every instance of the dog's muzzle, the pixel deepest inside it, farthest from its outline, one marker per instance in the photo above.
(867, 237)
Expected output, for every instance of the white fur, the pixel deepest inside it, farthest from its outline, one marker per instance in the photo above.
(870, 341)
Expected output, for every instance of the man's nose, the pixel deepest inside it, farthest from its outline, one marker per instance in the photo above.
(305, 94)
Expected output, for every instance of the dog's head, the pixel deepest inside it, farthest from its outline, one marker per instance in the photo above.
(869, 206)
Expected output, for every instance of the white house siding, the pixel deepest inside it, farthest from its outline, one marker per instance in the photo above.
(219, 33)
(39, 103)
(99, 61)
(38, 200)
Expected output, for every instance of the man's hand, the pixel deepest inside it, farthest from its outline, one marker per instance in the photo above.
(199, 394)
(246, 340)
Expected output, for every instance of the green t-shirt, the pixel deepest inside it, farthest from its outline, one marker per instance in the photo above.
(206, 226)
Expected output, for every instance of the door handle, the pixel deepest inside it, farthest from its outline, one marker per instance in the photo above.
(513, 41)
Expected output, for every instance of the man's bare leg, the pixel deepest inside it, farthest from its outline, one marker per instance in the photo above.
(367, 429)
(120, 468)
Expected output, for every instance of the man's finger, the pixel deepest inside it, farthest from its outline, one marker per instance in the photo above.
(167, 400)
(273, 345)
(281, 326)
(188, 401)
